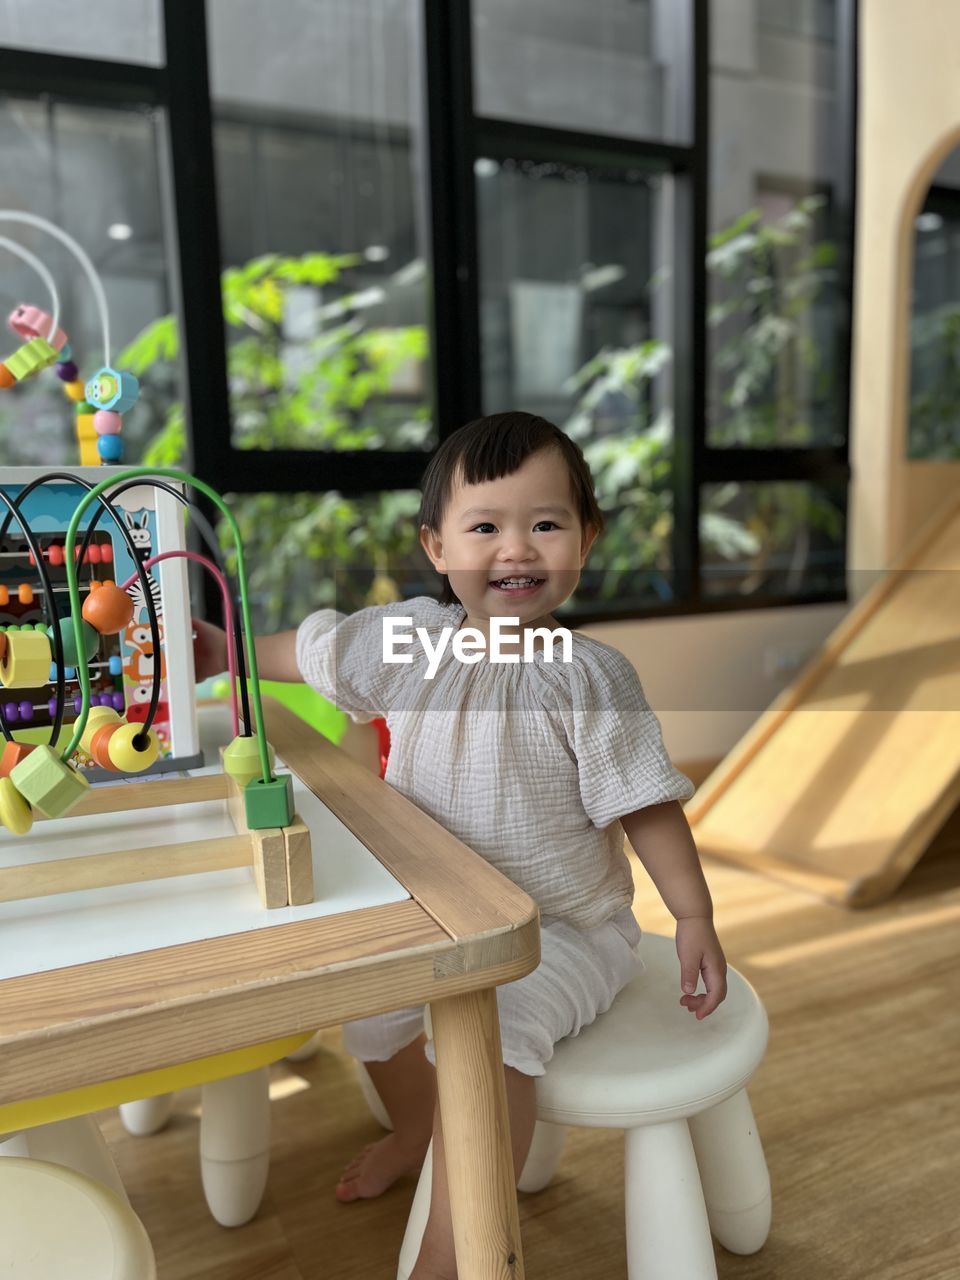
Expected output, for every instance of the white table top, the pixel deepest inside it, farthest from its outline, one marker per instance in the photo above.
(39, 934)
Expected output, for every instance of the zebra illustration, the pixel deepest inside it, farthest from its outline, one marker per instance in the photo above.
(140, 535)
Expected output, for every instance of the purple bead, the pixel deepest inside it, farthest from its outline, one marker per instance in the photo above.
(11, 711)
(67, 371)
(117, 700)
(78, 704)
(26, 711)
(52, 707)
(95, 700)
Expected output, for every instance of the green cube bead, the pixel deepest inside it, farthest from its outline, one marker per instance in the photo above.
(267, 804)
(48, 783)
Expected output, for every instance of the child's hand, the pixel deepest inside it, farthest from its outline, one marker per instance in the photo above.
(700, 952)
(209, 649)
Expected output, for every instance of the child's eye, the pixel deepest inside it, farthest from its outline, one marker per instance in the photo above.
(482, 528)
(551, 523)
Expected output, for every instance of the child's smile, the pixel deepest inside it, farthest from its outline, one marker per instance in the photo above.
(514, 546)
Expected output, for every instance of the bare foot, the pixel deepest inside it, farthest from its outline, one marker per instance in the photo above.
(378, 1167)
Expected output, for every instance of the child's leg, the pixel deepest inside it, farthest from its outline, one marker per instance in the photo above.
(406, 1083)
(437, 1260)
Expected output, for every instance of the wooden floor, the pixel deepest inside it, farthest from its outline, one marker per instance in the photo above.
(856, 1101)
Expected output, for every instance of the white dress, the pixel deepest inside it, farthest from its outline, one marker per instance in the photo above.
(531, 765)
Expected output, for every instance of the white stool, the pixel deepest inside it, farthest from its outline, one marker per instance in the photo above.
(57, 1224)
(694, 1162)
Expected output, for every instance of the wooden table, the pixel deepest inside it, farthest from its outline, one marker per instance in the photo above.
(464, 930)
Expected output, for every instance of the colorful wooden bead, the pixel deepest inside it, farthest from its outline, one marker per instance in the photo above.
(11, 712)
(15, 812)
(241, 759)
(107, 423)
(107, 608)
(13, 753)
(110, 448)
(26, 712)
(31, 358)
(98, 717)
(67, 371)
(132, 750)
(4, 596)
(6, 377)
(49, 783)
(91, 642)
(99, 743)
(30, 322)
(25, 593)
(110, 389)
(115, 664)
(27, 660)
(74, 390)
(269, 804)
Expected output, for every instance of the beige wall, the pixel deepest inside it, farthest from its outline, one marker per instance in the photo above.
(909, 121)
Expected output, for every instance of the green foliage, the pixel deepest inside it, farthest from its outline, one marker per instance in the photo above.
(935, 399)
(329, 391)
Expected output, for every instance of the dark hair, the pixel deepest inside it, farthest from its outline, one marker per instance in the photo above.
(496, 446)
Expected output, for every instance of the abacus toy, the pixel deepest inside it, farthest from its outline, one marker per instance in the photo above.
(109, 734)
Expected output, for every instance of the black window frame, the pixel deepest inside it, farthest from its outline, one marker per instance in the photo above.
(454, 137)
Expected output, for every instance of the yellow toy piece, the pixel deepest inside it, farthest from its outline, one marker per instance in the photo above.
(48, 782)
(75, 391)
(87, 439)
(129, 756)
(26, 664)
(15, 812)
(98, 717)
(241, 759)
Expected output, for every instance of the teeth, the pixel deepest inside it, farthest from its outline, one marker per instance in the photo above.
(517, 582)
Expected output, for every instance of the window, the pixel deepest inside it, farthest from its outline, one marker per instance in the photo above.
(322, 242)
(389, 216)
(934, 425)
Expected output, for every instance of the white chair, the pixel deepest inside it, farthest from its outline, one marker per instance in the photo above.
(58, 1224)
(694, 1162)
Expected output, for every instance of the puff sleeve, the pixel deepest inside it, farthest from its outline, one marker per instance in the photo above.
(616, 738)
(341, 656)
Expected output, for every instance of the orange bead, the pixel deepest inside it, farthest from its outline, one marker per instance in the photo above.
(13, 753)
(25, 593)
(6, 377)
(98, 746)
(107, 608)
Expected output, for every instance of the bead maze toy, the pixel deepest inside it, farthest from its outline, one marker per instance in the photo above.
(47, 780)
(110, 543)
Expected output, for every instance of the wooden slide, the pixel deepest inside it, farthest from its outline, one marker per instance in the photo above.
(847, 777)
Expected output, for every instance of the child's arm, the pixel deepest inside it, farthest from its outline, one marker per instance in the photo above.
(661, 837)
(276, 654)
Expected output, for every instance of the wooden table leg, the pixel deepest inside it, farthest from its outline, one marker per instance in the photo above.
(476, 1137)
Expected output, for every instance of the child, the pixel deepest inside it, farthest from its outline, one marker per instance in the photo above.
(540, 766)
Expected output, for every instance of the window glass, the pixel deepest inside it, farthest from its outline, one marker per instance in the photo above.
(113, 30)
(765, 538)
(775, 300)
(613, 66)
(318, 153)
(94, 172)
(307, 551)
(934, 427)
(576, 327)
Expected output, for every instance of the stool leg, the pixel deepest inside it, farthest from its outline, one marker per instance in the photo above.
(668, 1236)
(147, 1115)
(77, 1144)
(371, 1097)
(306, 1050)
(235, 1145)
(543, 1156)
(733, 1172)
(417, 1219)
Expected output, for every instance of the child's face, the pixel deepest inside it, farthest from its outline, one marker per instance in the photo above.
(497, 536)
